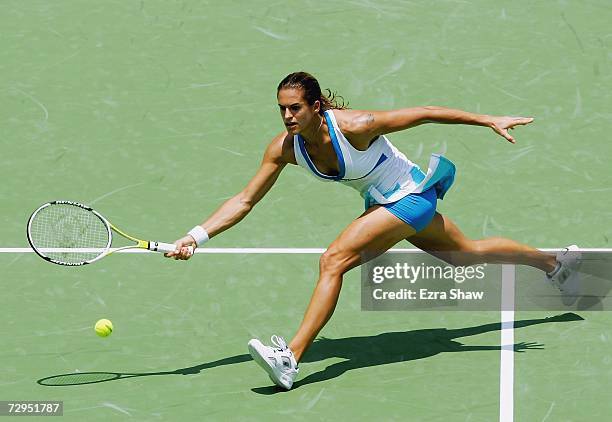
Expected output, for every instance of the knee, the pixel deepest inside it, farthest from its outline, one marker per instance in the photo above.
(468, 252)
(475, 251)
(336, 261)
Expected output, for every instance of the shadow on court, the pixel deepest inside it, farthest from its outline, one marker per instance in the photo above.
(83, 378)
(385, 348)
(358, 352)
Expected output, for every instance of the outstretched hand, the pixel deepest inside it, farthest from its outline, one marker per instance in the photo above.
(502, 124)
(184, 248)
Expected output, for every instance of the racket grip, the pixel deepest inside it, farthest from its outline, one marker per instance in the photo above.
(165, 247)
(162, 247)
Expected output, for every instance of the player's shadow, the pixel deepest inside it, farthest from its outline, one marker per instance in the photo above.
(358, 352)
(385, 348)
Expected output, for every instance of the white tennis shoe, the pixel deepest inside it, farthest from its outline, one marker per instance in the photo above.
(566, 276)
(277, 361)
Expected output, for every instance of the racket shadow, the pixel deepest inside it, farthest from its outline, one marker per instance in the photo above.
(84, 378)
(393, 347)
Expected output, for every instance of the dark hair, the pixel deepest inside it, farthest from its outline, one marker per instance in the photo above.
(312, 91)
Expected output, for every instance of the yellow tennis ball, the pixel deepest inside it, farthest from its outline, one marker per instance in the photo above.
(104, 328)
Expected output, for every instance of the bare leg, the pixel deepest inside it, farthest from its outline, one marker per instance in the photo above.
(368, 236)
(443, 239)
(376, 231)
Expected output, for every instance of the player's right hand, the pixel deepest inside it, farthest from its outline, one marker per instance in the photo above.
(185, 246)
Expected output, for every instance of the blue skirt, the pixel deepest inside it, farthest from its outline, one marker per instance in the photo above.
(416, 209)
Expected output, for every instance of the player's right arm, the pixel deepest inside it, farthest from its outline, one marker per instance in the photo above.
(278, 154)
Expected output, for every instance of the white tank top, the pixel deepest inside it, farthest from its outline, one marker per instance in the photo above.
(381, 174)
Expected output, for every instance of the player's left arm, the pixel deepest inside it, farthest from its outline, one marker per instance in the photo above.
(371, 124)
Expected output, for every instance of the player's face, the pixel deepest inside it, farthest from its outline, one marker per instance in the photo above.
(297, 115)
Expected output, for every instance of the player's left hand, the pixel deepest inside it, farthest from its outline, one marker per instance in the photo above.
(501, 125)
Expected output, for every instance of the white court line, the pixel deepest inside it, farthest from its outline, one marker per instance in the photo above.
(199, 251)
(248, 250)
(506, 363)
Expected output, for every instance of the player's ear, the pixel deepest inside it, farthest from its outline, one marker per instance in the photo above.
(317, 106)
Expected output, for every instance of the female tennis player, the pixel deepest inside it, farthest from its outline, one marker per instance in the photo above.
(334, 143)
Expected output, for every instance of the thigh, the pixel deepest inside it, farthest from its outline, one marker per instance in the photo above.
(371, 234)
(440, 237)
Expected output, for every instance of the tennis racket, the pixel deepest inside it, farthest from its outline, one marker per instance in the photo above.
(73, 234)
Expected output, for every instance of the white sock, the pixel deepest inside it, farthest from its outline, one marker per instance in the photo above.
(555, 271)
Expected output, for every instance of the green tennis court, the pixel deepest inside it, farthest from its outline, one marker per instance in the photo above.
(155, 112)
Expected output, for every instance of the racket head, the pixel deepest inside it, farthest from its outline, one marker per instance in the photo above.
(68, 233)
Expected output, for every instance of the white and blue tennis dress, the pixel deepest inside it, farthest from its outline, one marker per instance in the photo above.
(384, 176)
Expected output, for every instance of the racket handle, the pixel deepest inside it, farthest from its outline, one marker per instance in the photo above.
(165, 247)
(162, 247)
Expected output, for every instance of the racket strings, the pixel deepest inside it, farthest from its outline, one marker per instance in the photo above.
(69, 233)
